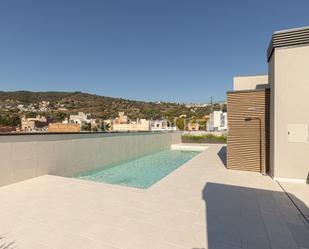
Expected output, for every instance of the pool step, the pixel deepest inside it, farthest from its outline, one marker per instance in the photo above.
(189, 147)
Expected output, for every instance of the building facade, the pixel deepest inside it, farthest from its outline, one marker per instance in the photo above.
(248, 121)
(60, 127)
(138, 125)
(288, 61)
(121, 119)
(288, 77)
(6, 129)
(81, 118)
(217, 121)
(193, 126)
(161, 125)
(39, 123)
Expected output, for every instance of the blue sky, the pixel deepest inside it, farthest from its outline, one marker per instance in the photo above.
(172, 50)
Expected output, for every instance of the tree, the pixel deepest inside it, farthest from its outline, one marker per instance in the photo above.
(86, 127)
(9, 119)
(103, 126)
(106, 126)
(181, 123)
(202, 125)
(60, 116)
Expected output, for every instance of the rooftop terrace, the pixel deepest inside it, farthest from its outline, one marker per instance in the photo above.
(200, 205)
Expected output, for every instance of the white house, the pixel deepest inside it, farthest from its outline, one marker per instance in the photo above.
(138, 125)
(161, 125)
(80, 118)
(217, 121)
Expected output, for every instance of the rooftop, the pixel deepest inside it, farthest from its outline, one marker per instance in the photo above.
(200, 205)
(291, 30)
(288, 38)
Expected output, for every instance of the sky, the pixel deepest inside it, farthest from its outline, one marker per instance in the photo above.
(153, 50)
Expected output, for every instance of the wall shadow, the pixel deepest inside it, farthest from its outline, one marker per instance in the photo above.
(240, 217)
(222, 155)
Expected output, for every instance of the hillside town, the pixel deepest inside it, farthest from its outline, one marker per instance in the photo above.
(83, 122)
(27, 112)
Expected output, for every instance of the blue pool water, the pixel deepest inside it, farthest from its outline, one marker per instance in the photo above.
(141, 172)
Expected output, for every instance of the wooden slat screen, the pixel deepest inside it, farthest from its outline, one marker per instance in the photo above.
(243, 141)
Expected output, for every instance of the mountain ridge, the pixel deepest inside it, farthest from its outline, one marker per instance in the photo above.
(103, 107)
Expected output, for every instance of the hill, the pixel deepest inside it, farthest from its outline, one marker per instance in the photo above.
(56, 105)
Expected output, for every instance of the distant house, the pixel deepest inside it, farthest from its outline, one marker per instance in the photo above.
(121, 119)
(5, 129)
(161, 125)
(60, 127)
(39, 123)
(81, 118)
(138, 125)
(122, 124)
(193, 126)
(217, 121)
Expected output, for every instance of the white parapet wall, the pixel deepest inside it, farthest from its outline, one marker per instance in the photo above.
(27, 156)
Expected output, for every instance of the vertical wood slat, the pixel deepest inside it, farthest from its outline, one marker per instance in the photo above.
(243, 141)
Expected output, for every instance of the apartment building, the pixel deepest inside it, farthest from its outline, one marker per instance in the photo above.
(217, 121)
(273, 110)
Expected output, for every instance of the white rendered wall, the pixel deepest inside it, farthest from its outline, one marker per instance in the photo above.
(250, 82)
(26, 156)
(289, 80)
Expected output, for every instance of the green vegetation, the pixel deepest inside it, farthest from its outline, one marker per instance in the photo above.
(204, 138)
(202, 125)
(62, 104)
(9, 118)
(181, 124)
(86, 127)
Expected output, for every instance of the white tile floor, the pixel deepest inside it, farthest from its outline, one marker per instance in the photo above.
(200, 205)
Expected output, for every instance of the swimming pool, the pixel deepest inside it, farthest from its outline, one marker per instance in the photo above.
(142, 172)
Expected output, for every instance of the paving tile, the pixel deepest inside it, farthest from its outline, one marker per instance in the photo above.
(220, 245)
(200, 205)
(300, 234)
(225, 237)
(299, 193)
(145, 229)
(183, 239)
(110, 236)
(147, 243)
(109, 220)
(24, 243)
(50, 237)
(255, 243)
(10, 223)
